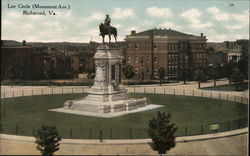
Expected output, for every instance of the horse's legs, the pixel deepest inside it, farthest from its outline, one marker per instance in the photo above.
(115, 38)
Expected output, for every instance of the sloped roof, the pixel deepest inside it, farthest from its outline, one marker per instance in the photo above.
(162, 32)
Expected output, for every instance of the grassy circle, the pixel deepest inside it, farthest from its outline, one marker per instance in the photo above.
(192, 116)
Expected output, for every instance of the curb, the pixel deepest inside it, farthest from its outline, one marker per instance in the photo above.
(132, 141)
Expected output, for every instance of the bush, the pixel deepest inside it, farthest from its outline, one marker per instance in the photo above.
(47, 140)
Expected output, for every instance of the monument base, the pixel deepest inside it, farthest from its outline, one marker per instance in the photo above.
(105, 107)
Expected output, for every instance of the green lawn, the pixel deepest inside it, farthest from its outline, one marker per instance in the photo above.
(227, 87)
(192, 115)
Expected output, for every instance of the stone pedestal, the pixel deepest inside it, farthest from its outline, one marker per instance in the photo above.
(106, 96)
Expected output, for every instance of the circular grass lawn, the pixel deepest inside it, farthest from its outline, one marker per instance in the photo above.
(192, 116)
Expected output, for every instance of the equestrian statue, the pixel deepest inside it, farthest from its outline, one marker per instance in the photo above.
(106, 29)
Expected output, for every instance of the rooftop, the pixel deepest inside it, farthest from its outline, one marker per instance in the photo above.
(161, 32)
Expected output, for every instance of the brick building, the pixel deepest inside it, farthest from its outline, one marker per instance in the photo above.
(175, 51)
(22, 62)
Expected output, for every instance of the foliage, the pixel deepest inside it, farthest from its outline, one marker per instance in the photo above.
(162, 132)
(243, 67)
(128, 72)
(237, 76)
(47, 140)
(200, 75)
(91, 74)
(161, 74)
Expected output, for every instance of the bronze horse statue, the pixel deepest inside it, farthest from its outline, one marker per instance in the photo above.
(104, 30)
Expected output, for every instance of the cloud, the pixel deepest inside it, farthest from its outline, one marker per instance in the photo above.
(233, 27)
(95, 16)
(159, 12)
(218, 14)
(170, 25)
(243, 18)
(201, 25)
(193, 16)
(119, 13)
(13, 14)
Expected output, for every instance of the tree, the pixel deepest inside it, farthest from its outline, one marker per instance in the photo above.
(200, 76)
(161, 131)
(242, 65)
(91, 74)
(128, 72)
(228, 69)
(161, 74)
(47, 140)
(214, 73)
(237, 77)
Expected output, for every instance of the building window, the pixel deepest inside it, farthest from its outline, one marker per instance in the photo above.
(155, 59)
(136, 70)
(136, 45)
(128, 59)
(148, 59)
(155, 71)
(136, 59)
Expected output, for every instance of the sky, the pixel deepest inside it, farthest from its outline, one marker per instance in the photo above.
(219, 20)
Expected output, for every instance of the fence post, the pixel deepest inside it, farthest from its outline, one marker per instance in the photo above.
(239, 123)
(52, 91)
(16, 129)
(100, 136)
(70, 133)
(130, 133)
(183, 91)
(110, 133)
(193, 92)
(185, 130)
(32, 92)
(4, 95)
(164, 90)
(22, 92)
(174, 91)
(90, 133)
(201, 128)
(202, 93)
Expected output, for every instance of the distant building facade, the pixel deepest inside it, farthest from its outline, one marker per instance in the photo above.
(22, 62)
(232, 51)
(175, 51)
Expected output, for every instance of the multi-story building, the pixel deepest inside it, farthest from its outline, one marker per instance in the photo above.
(22, 62)
(232, 51)
(174, 51)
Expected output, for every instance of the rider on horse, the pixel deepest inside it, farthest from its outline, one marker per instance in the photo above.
(107, 23)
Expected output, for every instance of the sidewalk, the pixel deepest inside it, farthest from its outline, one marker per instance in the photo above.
(130, 141)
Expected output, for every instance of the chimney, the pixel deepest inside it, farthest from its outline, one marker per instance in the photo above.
(201, 34)
(133, 32)
(24, 43)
